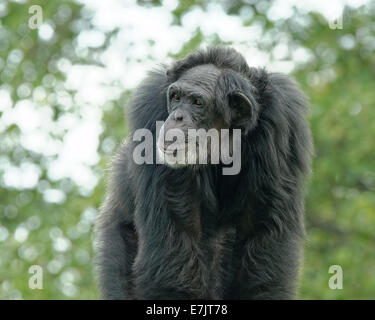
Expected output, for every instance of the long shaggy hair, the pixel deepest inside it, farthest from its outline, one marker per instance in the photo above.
(194, 233)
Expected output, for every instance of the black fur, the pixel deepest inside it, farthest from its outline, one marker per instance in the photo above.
(166, 233)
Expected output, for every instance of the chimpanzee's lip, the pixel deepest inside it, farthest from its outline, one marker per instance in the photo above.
(165, 149)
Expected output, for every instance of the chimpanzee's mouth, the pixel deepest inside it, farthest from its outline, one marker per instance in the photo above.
(171, 151)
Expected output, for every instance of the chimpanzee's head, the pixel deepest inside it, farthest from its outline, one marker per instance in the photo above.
(203, 100)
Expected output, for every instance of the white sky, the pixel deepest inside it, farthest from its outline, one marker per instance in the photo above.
(95, 86)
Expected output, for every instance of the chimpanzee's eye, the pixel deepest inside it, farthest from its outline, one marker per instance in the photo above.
(198, 102)
(176, 97)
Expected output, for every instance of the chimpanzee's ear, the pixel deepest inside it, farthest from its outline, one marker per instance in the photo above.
(241, 107)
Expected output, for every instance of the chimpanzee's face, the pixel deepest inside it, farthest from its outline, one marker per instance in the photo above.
(191, 99)
(194, 115)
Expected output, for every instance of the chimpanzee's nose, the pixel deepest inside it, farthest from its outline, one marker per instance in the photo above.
(178, 115)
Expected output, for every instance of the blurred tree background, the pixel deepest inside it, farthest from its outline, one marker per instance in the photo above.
(63, 99)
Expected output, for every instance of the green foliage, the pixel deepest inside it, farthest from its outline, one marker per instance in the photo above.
(341, 204)
(59, 235)
(338, 78)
